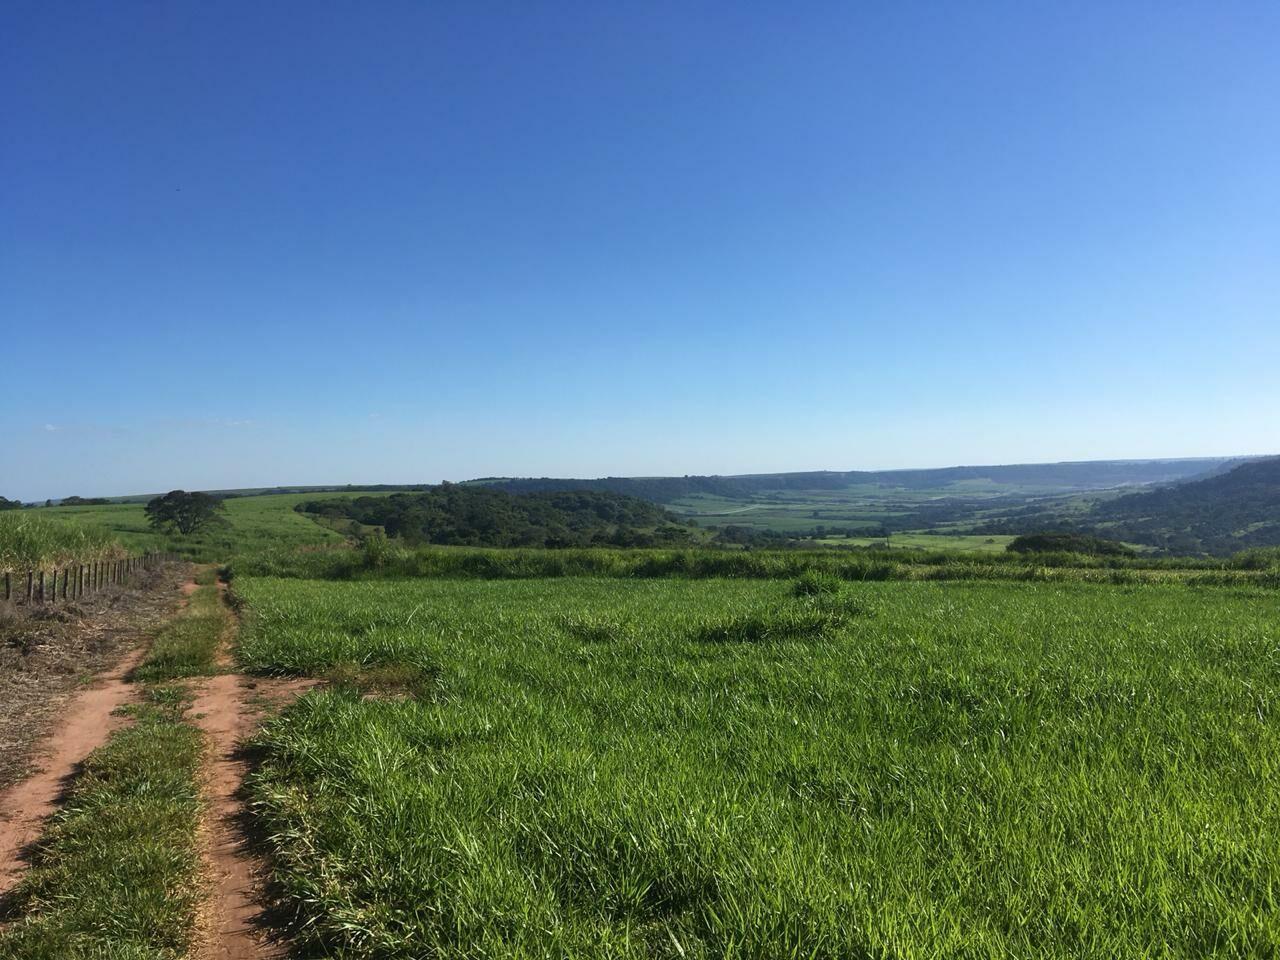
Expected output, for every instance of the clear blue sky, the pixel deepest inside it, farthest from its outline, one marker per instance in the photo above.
(263, 243)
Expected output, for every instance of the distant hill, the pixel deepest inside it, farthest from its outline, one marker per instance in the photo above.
(1220, 514)
(1056, 477)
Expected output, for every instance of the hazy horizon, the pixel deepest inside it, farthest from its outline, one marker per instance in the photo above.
(401, 481)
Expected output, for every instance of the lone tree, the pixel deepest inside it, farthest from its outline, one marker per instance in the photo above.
(182, 511)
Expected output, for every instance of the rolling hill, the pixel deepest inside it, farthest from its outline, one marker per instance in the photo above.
(1219, 514)
(1045, 477)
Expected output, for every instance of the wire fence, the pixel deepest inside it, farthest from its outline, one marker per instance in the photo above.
(71, 581)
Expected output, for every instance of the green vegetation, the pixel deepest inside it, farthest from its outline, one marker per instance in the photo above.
(698, 752)
(1216, 507)
(751, 768)
(115, 874)
(1080, 543)
(187, 645)
(382, 559)
(949, 543)
(1220, 515)
(963, 509)
(252, 524)
(481, 516)
(183, 513)
(1038, 477)
(764, 509)
(29, 540)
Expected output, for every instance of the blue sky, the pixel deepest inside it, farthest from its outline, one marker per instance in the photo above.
(246, 244)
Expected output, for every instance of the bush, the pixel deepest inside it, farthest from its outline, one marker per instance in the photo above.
(1081, 543)
(816, 583)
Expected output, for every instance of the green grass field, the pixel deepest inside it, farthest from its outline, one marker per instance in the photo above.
(251, 524)
(717, 768)
(959, 543)
(868, 506)
(29, 539)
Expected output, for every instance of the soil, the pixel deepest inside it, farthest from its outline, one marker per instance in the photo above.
(54, 711)
(229, 708)
(49, 653)
(64, 674)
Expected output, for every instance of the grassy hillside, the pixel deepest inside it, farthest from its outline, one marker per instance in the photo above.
(948, 501)
(250, 524)
(1043, 477)
(1230, 510)
(1222, 514)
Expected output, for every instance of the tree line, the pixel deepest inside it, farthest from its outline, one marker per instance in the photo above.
(482, 516)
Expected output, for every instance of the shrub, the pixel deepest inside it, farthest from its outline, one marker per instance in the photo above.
(816, 583)
(1069, 543)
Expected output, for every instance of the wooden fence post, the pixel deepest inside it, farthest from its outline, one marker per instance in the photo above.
(42, 586)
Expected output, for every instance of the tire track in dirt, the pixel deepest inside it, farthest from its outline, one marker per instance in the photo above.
(229, 708)
(89, 719)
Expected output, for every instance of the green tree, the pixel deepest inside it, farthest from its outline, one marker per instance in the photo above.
(184, 512)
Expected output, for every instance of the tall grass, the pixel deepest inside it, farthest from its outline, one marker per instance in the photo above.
(390, 561)
(29, 540)
(747, 769)
(249, 525)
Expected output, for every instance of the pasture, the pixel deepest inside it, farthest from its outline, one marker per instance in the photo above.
(954, 543)
(586, 767)
(249, 524)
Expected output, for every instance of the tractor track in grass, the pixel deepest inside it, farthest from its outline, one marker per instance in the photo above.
(229, 708)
